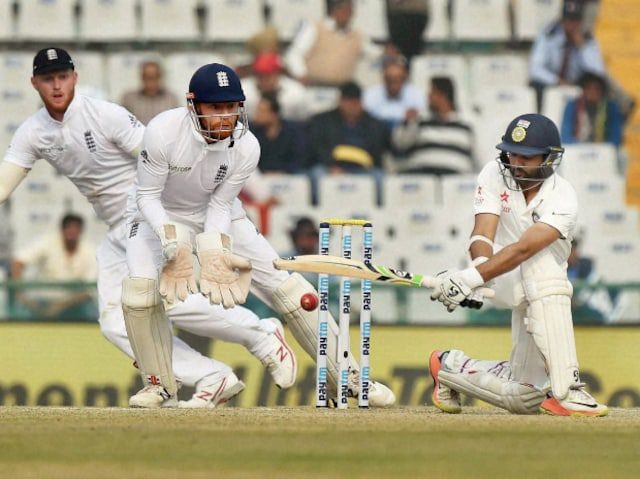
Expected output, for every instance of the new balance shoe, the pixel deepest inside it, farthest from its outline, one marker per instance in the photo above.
(152, 396)
(379, 394)
(216, 394)
(577, 403)
(280, 359)
(443, 397)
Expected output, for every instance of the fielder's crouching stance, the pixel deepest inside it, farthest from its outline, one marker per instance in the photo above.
(194, 164)
(523, 205)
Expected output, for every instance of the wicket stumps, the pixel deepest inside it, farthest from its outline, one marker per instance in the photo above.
(343, 346)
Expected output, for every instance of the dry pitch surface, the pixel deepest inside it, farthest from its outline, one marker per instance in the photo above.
(307, 443)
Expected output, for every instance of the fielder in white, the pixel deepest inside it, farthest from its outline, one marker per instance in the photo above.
(95, 144)
(525, 217)
(194, 163)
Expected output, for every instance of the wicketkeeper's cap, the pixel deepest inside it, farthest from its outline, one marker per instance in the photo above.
(50, 60)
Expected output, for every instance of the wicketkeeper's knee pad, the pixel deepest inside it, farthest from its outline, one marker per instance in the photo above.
(149, 331)
(304, 324)
(548, 319)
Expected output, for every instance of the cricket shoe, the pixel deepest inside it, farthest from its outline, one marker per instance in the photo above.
(443, 397)
(280, 359)
(379, 394)
(577, 403)
(152, 396)
(216, 394)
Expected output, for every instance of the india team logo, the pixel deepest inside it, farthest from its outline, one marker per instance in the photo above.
(223, 79)
(518, 134)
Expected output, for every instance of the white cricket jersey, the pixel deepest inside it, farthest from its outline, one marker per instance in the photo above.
(555, 204)
(183, 179)
(95, 146)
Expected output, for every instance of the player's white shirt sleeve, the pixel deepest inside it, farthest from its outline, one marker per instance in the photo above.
(487, 196)
(561, 208)
(21, 150)
(153, 168)
(219, 209)
(125, 129)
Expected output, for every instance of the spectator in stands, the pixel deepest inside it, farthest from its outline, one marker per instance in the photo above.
(347, 139)
(326, 52)
(440, 143)
(63, 256)
(152, 98)
(268, 79)
(391, 100)
(407, 20)
(592, 117)
(304, 237)
(281, 142)
(563, 51)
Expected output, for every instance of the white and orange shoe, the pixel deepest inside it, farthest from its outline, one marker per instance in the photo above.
(444, 398)
(577, 403)
(214, 395)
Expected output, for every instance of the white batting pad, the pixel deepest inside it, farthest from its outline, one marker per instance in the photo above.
(304, 324)
(149, 331)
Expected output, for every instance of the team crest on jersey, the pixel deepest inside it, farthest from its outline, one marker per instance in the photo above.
(221, 174)
(223, 79)
(90, 141)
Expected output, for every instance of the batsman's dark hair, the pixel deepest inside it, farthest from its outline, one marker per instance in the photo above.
(444, 85)
(71, 218)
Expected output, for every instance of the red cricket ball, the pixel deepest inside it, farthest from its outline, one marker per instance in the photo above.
(309, 301)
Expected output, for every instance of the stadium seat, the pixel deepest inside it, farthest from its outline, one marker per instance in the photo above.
(8, 126)
(179, 67)
(420, 222)
(29, 222)
(91, 71)
(491, 71)
(47, 20)
(287, 15)
(384, 304)
(424, 67)
(6, 21)
(223, 22)
(170, 20)
(458, 192)
(480, 20)
(618, 258)
(555, 99)
(370, 16)
(409, 191)
(16, 103)
(338, 192)
(594, 191)
(439, 27)
(123, 72)
(589, 159)
(531, 16)
(289, 189)
(505, 101)
(108, 20)
(16, 69)
(609, 221)
(322, 98)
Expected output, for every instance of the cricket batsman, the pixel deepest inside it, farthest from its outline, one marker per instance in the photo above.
(525, 219)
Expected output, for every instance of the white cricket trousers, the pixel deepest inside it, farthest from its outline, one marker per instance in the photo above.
(196, 315)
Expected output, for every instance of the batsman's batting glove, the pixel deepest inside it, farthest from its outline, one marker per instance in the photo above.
(455, 288)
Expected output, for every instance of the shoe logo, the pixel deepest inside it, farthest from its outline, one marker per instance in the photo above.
(282, 353)
(204, 395)
(593, 406)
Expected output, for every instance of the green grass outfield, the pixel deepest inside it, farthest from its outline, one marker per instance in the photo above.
(69, 443)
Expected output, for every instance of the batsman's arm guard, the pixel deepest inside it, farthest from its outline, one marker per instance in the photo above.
(548, 319)
(11, 175)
